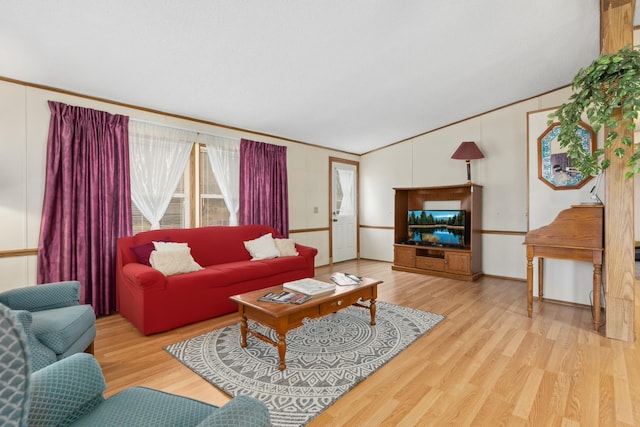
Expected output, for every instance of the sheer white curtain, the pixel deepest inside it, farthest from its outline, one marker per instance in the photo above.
(158, 157)
(224, 156)
(346, 178)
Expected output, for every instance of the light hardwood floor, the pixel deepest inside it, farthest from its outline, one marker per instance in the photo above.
(487, 364)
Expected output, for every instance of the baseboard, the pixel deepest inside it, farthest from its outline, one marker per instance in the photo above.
(515, 279)
(567, 303)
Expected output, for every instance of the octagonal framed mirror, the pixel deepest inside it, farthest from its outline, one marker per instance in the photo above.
(554, 165)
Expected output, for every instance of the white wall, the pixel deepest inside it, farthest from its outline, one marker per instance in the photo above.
(380, 172)
(24, 124)
(13, 183)
(421, 161)
(502, 136)
(545, 204)
(426, 161)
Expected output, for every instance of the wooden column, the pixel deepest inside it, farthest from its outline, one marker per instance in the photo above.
(616, 31)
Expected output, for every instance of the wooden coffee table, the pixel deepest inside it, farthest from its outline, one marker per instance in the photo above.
(284, 317)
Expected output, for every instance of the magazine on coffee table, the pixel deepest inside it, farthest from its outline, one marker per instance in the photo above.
(285, 297)
(345, 279)
(310, 287)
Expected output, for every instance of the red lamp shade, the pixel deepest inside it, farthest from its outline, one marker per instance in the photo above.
(468, 151)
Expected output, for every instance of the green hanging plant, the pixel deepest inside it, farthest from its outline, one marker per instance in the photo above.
(610, 82)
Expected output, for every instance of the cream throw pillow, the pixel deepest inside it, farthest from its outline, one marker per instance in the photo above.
(263, 247)
(169, 246)
(170, 261)
(286, 247)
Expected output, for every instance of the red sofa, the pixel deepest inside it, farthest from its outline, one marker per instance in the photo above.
(155, 303)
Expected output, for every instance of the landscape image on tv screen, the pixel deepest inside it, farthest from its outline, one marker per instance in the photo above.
(436, 227)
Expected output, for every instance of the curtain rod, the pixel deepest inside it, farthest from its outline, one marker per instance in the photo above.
(181, 128)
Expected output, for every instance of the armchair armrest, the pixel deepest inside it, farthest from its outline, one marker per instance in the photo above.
(65, 390)
(241, 411)
(40, 354)
(42, 297)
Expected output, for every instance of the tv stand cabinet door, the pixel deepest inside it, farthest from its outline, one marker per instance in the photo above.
(404, 256)
(457, 262)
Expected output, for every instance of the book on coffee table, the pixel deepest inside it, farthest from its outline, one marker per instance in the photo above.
(311, 287)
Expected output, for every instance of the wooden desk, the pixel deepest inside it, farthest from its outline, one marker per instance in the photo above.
(576, 234)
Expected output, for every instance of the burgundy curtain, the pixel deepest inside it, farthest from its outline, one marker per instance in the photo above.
(87, 201)
(264, 194)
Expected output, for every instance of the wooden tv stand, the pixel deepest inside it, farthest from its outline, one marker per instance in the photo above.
(443, 262)
(463, 263)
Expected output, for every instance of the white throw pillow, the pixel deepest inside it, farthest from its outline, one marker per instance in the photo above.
(174, 261)
(169, 246)
(286, 247)
(262, 248)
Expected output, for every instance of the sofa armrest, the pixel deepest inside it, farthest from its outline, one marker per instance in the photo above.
(142, 276)
(65, 390)
(307, 252)
(241, 411)
(42, 297)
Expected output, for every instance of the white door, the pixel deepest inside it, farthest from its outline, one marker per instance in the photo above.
(344, 210)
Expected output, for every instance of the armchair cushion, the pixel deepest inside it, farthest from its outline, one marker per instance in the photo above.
(42, 297)
(59, 328)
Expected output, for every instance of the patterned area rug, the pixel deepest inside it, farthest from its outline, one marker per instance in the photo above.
(325, 358)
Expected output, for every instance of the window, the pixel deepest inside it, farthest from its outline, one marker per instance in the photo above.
(213, 210)
(210, 206)
(177, 213)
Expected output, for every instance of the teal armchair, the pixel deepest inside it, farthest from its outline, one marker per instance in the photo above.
(55, 322)
(15, 380)
(69, 392)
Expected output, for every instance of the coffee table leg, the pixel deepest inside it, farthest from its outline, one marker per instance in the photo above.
(243, 331)
(282, 350)
(372, 309)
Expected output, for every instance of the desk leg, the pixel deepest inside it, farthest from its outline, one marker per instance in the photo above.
(597, 279)
(529, 285)
(540, 278)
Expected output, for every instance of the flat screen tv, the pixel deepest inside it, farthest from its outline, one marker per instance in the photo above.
(444, 228)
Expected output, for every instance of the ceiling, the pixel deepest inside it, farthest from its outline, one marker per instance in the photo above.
(350, 75)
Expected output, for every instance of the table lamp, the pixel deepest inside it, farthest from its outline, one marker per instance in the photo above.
(468, 151)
